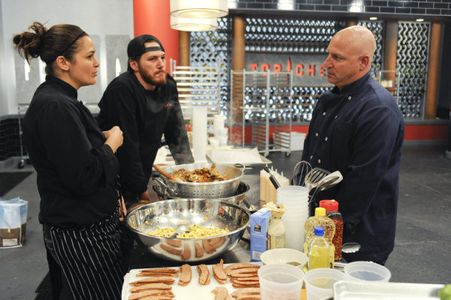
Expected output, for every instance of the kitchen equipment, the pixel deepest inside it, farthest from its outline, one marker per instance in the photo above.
(280, 282)
(367, 271)
(272, 178)
(326, 182)
(164, 173)
(161, 188)
(284, 256)
(319, 282)
(202, 212)
(350, 290)
(300, 171)
(210, 190)
(313, 177)
(350, 247)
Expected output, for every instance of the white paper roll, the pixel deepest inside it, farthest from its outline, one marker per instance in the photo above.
(218, 125)
(200, 140)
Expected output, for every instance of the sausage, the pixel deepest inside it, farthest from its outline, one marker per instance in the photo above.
(204, 274)
(219, 273)
(199, 250)
(186, 254)
(185, 275)
(171, 249)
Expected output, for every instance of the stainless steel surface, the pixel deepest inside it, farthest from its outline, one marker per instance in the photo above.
(350, 247)
(314, 176)
(176, 212)
(210, 190)
(163, 191)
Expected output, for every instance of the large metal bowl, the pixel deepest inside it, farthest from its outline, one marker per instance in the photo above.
(176, 212)
(210, 190)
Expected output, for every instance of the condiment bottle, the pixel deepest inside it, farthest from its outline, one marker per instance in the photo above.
(319, 219)
(319, 250)
(276, 230)
(331, 207)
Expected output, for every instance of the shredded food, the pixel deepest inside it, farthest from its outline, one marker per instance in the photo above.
(193, 232)
(199, 175)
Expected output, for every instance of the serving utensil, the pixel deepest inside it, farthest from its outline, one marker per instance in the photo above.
(164, 173)
(326, 183)
(313, 177)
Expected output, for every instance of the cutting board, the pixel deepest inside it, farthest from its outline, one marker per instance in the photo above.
(193, 291)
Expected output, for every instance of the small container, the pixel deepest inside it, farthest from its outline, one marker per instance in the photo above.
(367, 271)
(332, 212)
(319, 282)
(284, 256)
(280, 282)
(319, 219)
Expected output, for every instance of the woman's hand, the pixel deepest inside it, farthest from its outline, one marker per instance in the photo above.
(114, 138)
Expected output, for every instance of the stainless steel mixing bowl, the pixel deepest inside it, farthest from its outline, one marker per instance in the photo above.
(184, 212)
(210, 190)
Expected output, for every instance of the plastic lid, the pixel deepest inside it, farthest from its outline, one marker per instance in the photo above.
(320, 212)
(329, 205)
(319, 231)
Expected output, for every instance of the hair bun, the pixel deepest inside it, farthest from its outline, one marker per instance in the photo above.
(29, 42)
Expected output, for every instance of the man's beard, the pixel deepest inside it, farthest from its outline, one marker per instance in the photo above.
(150, 80)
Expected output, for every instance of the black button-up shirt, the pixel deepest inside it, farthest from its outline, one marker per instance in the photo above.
(76, 171)
(358, 130)
(144, 116)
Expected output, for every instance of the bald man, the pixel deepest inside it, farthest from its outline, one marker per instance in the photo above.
(357, 128)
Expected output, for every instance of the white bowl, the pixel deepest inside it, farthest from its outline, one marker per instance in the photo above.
(367, 271)
(284, 256)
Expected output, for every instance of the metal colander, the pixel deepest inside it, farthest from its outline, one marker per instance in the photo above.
(208, 190)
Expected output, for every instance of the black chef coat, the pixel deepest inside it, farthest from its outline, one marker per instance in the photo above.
(144, 116)
(76, 171)
(359, 130)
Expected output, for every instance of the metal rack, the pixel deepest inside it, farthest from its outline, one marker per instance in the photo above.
(197, 86)
(21, 110)
(266, 99)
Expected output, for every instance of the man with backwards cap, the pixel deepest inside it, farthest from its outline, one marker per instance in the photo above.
(144, 102)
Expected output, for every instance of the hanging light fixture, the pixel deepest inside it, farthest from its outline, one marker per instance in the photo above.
(199, 8)
(194, 24)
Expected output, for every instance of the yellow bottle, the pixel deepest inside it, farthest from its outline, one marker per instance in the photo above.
(319, 250)
(320, 219)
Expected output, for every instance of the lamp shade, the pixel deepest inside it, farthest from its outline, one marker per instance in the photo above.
(198, 8)
(194, 24)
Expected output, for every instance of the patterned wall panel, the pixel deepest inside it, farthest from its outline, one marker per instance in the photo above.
(376, 28)
(412, 64)
(213, 49)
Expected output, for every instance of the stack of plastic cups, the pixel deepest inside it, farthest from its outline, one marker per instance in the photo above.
(295, 200)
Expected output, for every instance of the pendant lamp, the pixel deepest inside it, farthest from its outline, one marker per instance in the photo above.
(194, 24)
(198, 8)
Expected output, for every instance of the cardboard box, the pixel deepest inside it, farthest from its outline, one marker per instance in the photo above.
(259, 222)
(13, 220)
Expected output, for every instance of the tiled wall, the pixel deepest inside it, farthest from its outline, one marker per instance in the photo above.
(404, 7)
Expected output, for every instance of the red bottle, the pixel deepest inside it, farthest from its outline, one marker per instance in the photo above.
(332, 212)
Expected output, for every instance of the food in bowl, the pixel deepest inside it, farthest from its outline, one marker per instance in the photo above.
(198, 175)
(193, 231)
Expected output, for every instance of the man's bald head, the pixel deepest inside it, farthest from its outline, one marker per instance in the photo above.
(350, 53)
(358, 38)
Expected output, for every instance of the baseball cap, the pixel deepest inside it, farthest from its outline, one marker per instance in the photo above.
(136, 47)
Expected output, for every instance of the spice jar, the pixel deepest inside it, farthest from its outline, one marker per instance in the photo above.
(331, 207)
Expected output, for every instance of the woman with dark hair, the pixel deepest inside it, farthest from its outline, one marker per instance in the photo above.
(76, 167)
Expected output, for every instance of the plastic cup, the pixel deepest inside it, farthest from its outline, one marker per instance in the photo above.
(320, 282)
(367, 271)
(280, 281)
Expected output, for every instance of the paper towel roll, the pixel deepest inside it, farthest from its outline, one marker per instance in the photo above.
(200, 133)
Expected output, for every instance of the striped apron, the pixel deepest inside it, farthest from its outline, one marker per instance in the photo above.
(89, 257)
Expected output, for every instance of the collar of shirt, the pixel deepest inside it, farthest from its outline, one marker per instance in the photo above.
(67, 88)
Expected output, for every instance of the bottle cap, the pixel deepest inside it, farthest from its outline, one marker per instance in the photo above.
(319, 231)
(320, 212)
(329, 205)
